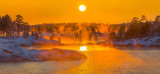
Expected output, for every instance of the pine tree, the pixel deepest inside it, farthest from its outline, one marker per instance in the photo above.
(120, 35)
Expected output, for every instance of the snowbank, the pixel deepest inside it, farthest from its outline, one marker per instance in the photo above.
(29, 41)
(12, 52)
(140, 42)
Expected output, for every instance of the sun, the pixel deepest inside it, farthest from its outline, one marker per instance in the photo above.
(82, 8)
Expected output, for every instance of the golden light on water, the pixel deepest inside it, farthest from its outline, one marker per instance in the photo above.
(84, 48)
(82, 8)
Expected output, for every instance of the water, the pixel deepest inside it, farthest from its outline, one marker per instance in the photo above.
(101, 60)
(46, 67)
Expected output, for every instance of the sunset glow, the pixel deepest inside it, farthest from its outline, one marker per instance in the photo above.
(82, 8)
(79, 36)
(101, 11)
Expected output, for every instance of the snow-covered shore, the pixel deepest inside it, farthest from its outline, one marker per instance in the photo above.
(137, 42)
(11, 51)
(29, 41)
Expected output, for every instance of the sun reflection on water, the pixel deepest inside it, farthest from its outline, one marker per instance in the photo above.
(83, 48)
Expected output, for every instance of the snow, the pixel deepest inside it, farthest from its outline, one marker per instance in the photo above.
(29, 41)
(152, 42)
(14, 52)
(11, 51)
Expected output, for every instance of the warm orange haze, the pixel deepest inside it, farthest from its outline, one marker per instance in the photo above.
(60, 11)
(80, 36)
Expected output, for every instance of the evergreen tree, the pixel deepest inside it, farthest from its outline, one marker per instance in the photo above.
(120, 35)
(157, 24)
(133, 30)
(112, 36)
(19, 24)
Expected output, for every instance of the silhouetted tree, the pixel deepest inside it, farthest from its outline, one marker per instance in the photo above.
(112, 36)
(121, 33)
(133, 29)
(19, 24)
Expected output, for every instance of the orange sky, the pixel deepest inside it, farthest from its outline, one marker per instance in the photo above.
(60, 11)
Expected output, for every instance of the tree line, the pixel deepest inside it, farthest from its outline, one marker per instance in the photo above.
(79, 31)
(13, 28)
(137, 28)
